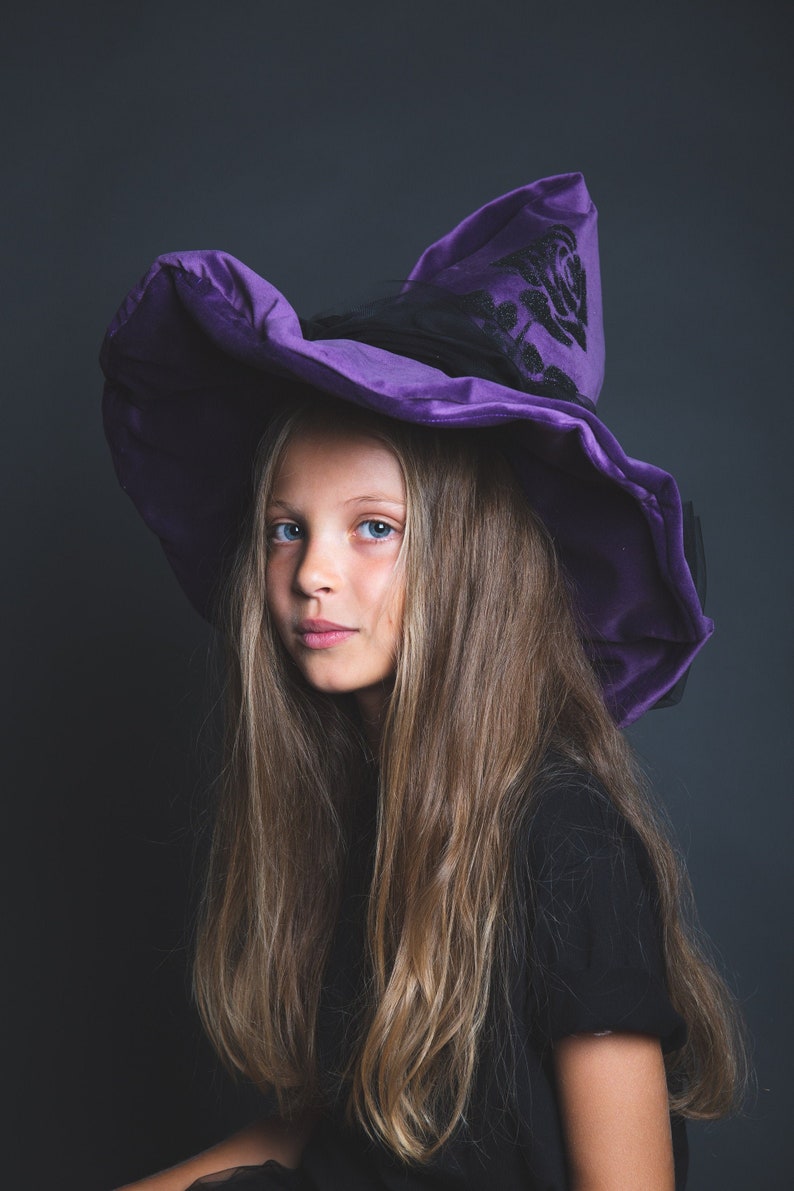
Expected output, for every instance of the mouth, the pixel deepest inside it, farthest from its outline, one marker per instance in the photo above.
(323, 634)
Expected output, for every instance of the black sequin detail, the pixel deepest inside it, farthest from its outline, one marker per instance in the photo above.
(556, 301)
(561, 381)
(506, 315)
(531, 359)
(478, 303)
(558, 297)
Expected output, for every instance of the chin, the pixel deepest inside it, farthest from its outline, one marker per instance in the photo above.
(328, 684)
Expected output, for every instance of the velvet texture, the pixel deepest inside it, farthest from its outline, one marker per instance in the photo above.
(203, 352)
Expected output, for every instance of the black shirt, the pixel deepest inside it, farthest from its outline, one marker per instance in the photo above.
(587, 959)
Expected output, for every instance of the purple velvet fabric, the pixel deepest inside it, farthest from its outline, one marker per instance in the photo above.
(204, 350)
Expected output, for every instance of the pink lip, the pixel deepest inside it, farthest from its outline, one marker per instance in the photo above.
(322, 634)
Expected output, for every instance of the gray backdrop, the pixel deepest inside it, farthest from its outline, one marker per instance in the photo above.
(326, 146)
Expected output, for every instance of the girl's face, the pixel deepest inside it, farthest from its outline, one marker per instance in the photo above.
(336, 519)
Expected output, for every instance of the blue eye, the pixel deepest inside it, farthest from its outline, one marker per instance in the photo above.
(376, 530)
(286, 531)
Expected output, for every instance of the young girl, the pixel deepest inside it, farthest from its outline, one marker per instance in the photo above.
(442, 928)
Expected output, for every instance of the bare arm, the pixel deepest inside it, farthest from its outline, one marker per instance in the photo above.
(613, 1099)
(272, 1138)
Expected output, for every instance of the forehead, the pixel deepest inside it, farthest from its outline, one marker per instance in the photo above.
(339, 459)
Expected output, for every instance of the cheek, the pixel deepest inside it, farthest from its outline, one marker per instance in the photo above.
(393, 608)
(275, 592)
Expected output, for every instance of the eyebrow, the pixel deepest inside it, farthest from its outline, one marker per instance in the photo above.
(376, 498)
(368, 498)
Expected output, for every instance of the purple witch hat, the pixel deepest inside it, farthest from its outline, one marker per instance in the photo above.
(499, 322)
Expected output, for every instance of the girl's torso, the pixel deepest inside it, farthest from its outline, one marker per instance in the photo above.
(586, 958)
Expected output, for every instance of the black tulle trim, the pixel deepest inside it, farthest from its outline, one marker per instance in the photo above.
(435, 327)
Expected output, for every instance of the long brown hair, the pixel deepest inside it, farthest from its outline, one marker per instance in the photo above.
(491, 679)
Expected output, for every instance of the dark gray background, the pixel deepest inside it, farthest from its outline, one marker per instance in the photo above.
(326, 146)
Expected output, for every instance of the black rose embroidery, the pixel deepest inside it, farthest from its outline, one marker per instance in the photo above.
(558, 297)
(557, 301)
(481, 304)
(551, 381)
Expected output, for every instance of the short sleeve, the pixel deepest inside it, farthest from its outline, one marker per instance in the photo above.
(596, 961)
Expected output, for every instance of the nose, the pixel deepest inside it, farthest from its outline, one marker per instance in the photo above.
(317, 572)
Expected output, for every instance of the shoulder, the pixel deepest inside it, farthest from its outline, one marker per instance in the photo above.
(596, 950)
(572, 821)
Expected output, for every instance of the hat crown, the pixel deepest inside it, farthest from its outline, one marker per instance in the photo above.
(527, 271)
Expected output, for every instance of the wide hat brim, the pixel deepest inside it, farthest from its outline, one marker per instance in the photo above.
(203, 353)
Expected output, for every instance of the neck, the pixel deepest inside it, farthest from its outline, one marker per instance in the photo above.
(372, 705)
